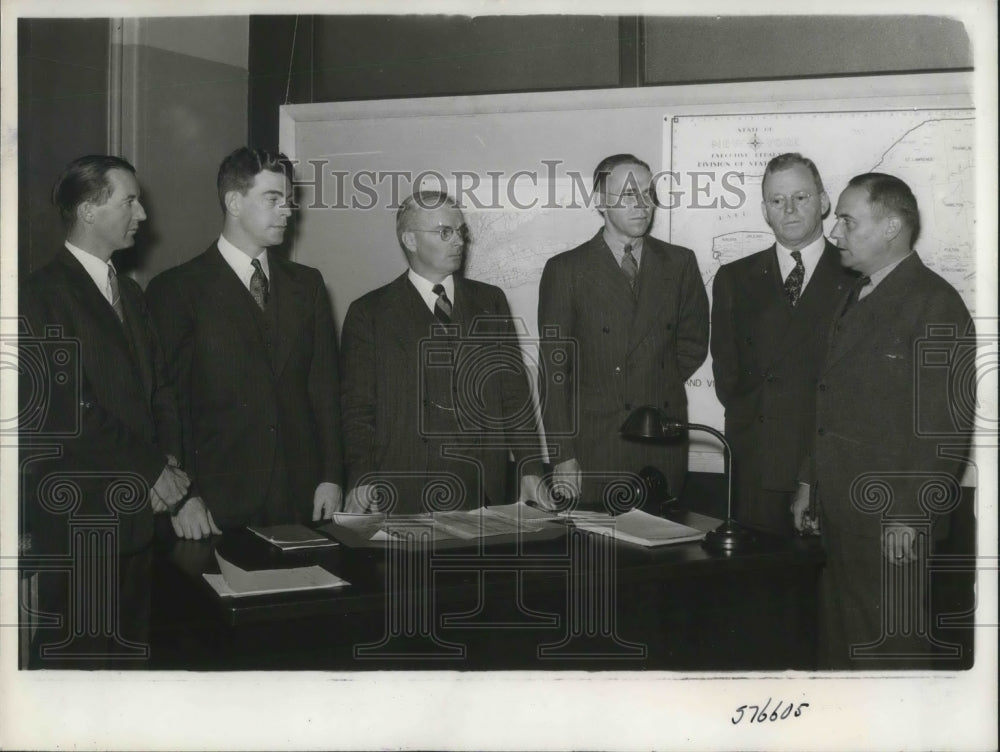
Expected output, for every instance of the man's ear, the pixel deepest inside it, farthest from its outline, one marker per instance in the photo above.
(85, 212)
(234, 202)
(409, 240)
(893, 226)
(824, 204)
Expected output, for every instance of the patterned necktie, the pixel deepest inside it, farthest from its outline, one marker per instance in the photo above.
(258, 285)
(116, 296)
(629, 267)
(855, 295)
(793, 282)
(442, 306)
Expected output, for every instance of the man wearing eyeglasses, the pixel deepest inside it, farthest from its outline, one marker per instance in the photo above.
(434, 393)
(251, 350)
(770, 312)
(636, 309)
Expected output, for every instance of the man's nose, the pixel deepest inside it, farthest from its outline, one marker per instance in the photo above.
(140, 212)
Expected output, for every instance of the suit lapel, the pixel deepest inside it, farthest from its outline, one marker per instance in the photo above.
(604, 285)
(136, 331)
(654, 281)
(226, 293)
(825, 288)
(288, 297)
(862, 323)
(90, 297)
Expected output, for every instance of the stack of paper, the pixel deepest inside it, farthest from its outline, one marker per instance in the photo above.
(644, 529)
(292, 537)
(234, 581)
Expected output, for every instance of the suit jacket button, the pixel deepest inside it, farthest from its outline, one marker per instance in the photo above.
(606, 330)
(618, 369)
(822, 387)
(760, 418)
(271, 429)
(821, 431)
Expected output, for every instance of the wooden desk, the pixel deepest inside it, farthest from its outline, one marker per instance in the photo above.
(578, 601)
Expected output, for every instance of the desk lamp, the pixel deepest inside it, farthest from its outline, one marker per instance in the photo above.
(648, 422)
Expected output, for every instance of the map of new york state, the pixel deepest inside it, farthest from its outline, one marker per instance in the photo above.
(709, 188)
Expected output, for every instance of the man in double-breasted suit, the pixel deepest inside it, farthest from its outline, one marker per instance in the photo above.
(99, 427)
(769, 311)
(435, 393)
(635, 312)
(251, 350)
(895, 396)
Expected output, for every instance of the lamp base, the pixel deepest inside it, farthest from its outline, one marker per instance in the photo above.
(727, 537)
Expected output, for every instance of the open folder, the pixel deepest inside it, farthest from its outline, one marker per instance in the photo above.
(234, 581)
(641, 528)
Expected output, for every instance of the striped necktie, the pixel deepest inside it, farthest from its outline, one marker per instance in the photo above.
(442, 306)
(629, 267)
(116, 294)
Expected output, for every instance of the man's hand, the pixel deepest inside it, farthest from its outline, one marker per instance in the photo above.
(804, 522)
(327, 500)
(361, 500)
(170, 487)
(567, 478)
(193, 520)
(533, 489)
(158, 504)
(899, 544)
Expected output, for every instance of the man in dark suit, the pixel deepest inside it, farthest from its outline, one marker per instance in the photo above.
(98, 426)
(636, 309)
(435, 395)
(251, 349)
(892, 432)
(767, 309)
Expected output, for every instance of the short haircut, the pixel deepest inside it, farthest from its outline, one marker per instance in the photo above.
(85, 179)
(787, 160)
(238, 170)
(421, 200)
(887, 194)
(608, 164)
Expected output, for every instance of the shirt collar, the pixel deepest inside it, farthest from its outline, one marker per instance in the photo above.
(618, 247)
(885, 271)
(240, 263)
(426, 288)
(96, 269)
(811, 255)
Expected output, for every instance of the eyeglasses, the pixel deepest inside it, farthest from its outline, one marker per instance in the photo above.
(631, 198)
(779, 202)
(446, 233)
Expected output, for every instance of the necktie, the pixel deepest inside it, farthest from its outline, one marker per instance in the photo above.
(258, 285)
(853, 298)
(793, 282)
(629, 267)
(442, 306)
(116, 296)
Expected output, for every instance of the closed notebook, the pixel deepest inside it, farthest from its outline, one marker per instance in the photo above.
(292, 537)
(643, 529)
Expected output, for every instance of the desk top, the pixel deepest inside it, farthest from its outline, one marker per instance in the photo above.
(545, 562)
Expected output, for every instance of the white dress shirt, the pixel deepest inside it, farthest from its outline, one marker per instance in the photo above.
(426, 288)
(878, 276)
(810, 259)
(96, 269)
(618, 249)
(240, 263)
